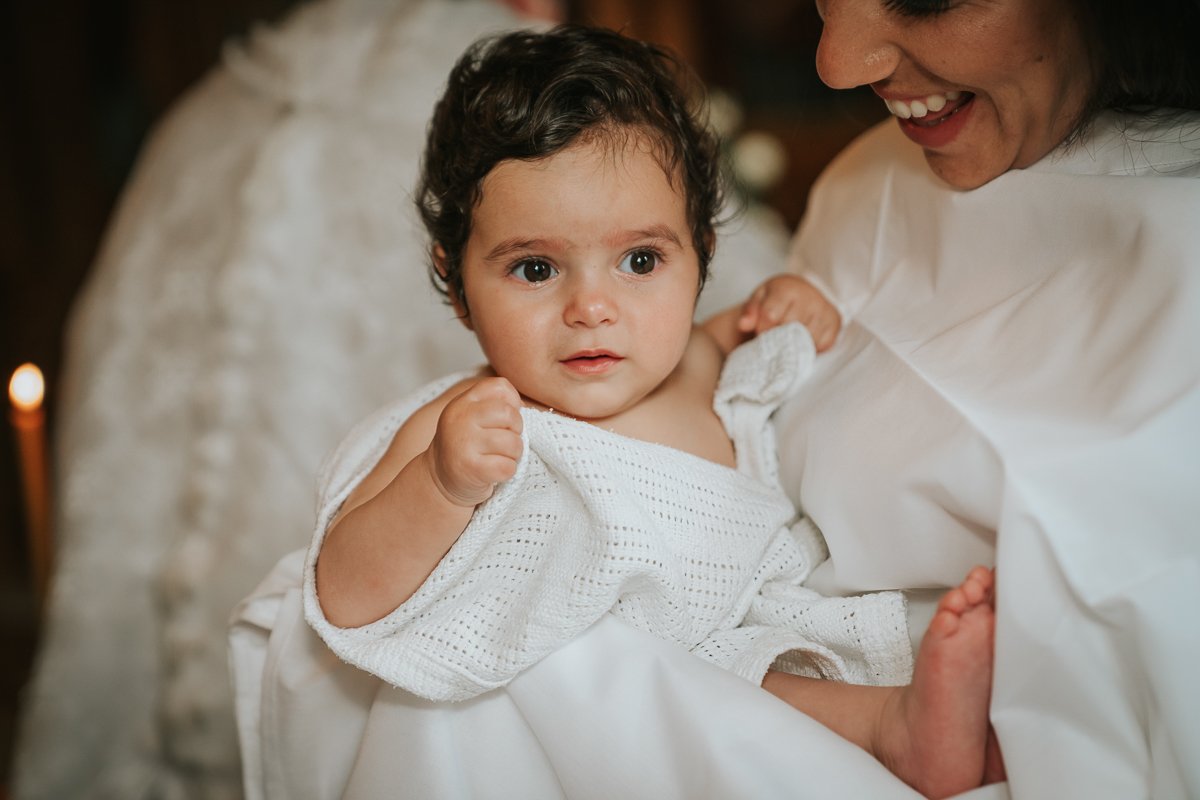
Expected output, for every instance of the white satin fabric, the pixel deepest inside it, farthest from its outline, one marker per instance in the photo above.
(1018, 383)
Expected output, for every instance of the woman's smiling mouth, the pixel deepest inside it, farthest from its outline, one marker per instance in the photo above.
(929, 110)
(935, 120)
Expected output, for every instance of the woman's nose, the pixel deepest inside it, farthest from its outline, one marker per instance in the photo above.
(589, 305)
(856, 47)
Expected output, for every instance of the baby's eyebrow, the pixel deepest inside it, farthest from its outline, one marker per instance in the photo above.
(505, 249)
(660, 232)
(509, 246)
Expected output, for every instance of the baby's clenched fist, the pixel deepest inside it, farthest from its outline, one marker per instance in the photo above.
(477, 443)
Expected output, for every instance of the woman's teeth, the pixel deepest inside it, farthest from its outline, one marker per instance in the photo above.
(916, 109)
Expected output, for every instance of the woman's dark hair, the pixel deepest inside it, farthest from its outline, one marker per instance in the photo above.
(1146, 54)
(528, 95)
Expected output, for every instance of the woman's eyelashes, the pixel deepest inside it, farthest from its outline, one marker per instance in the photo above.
(918, 8)
(642, 261)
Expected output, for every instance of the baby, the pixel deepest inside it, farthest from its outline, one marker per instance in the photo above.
(570, 195)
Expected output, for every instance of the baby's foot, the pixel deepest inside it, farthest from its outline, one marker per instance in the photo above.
(935, 734)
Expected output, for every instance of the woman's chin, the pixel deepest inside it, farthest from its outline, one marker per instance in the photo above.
(962, 171)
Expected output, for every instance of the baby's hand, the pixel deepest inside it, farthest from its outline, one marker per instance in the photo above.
(790, 298)
(477, 443)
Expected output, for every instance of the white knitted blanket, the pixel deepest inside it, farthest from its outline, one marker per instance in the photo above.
(699, 554)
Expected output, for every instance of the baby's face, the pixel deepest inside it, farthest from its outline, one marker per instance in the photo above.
(581, 277)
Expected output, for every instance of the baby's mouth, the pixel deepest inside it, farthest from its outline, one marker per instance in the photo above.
(591, 360)
(931, 110)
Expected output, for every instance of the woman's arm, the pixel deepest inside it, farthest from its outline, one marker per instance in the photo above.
(411, 508)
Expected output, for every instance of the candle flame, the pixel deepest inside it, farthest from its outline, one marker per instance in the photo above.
(26, 388)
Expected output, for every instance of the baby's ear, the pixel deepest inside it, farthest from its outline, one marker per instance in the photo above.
(456, 300)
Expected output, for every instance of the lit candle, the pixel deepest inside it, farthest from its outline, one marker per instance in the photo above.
(26, 390)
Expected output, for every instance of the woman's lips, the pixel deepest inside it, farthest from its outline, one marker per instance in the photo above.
(591, 362)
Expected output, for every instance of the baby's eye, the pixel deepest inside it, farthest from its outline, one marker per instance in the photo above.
(533, 270)
(640, 262)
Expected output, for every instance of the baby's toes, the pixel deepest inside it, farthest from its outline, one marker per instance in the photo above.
(944, 623)
(954, 601)
(974, 592)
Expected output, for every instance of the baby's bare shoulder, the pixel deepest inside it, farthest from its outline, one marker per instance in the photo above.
(684, 416)
(692, 384)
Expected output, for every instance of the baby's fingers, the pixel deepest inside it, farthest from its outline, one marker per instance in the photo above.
(823, 337)
(498, 414)
(776, 309)
(824, 323)
(751, 311)
(500, 442)
(498, 392)
(498, 455)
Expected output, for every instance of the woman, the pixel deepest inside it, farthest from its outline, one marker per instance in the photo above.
(1017, 374)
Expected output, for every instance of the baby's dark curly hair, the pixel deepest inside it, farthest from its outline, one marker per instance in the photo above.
(528, 95)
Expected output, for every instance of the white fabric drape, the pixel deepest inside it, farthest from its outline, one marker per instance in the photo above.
(615, 713)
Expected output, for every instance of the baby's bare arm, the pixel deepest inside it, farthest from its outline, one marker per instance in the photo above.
(411, 508)
(722, 327)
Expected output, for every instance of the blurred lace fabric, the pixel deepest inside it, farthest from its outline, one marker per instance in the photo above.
(261, 288)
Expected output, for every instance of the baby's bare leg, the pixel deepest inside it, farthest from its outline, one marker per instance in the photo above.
(934, 732)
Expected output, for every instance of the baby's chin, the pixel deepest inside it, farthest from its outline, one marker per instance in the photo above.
(595, 412)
